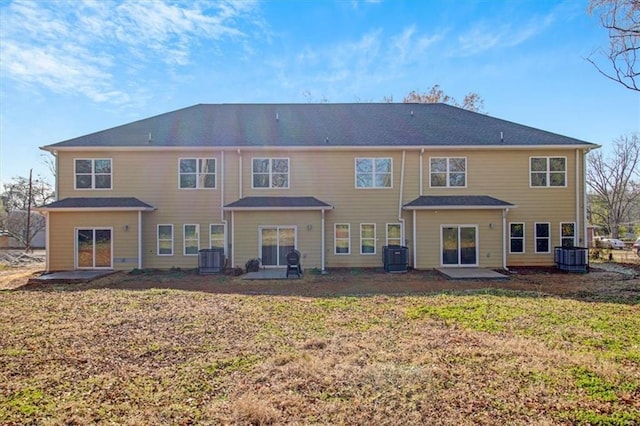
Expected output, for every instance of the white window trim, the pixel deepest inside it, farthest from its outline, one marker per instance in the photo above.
(93, 175)
(535, 237)
(198, 173)
(158, 239)
(271, 173)
(184, 238)
(548, 171)
(335, 239)
(387, 232)
(373, 172)
(375, 239)
(477, 241)
(224, 235)
(524, 238)
(75, 246)
(574, 233)
(448, 172)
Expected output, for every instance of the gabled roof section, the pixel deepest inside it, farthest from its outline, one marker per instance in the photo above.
(456, 202)
(278, 203)
(318, 125)
(97, 204)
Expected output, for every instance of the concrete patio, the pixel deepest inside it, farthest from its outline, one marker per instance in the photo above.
(70, 276)
(471, 274)
(269, 274)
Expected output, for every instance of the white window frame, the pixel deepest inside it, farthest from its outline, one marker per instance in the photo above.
(548, 172)
(336, 239)
(198, 173)
(536, 237)
(270, 173)
(224, 235)
(92, 174)
(158, 239)
(76, 261)
(374, 238)
(184, 239)
(562, 237)
(448, 172)
(399, 225)
(523, 238)
(373, 172)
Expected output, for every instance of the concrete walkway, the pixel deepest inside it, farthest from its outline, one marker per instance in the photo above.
(269, 274)
(471, 274)
(70, 276)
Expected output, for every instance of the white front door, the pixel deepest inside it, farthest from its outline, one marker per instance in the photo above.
(459, 246)
(275, 243)
(94, 248)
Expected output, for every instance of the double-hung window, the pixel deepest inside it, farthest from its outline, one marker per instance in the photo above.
(548, 171)
(216, 236)
(567, 234)
(516, 237)
(270, 173)
(448, 172)
(197, 173)
(373, 172)
(165, 240)
(394, 234)
(92, 173)
(191, 240)
(367, 238)
(543, 237)
(342, 238)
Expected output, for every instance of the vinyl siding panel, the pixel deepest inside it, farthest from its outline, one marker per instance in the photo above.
(62, 237)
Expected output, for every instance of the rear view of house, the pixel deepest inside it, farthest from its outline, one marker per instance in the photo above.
(337, 182)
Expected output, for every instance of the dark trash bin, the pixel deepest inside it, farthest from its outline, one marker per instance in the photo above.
(210, 261)
(394, 258)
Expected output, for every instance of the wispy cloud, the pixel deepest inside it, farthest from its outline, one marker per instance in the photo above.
(75, 47)
(484, 36)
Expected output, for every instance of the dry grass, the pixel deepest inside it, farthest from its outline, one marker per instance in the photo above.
(162, 356)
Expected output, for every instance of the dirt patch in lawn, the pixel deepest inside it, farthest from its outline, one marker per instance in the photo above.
(619, 283)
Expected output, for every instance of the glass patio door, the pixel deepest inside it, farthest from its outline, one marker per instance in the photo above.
(459, 246)
(93, 248)
(275, 243)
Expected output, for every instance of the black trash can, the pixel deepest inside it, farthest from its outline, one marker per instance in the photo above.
(210, 261)
(394, 258)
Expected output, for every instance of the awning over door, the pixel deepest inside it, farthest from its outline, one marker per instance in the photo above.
(278, 203)
(457, 202)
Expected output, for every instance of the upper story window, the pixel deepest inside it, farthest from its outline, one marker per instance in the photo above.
(270, 173)
(197, 173)
(94, 173)
(548, 171)
(373, 172)
(448, 172)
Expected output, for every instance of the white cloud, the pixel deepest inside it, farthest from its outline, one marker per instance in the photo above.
(70, 46)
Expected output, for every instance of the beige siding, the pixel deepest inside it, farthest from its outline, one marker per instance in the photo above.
(488, 237)
(152, 176)
(61, 251)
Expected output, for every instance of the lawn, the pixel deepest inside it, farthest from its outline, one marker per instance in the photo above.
(165, 356)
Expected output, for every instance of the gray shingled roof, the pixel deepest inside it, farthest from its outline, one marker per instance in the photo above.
(456, 201)
(98, 203)
(307, 203)
(306, 125)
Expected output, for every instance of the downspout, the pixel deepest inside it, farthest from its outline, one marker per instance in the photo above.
(322, 260)
(400, 219)
(420, 168)
(577, 236)
(504, 239)
(222, 219)
(415, 242)
(139, 239)
(57, 183)
(239, 174)
(46, 241)
(233, 246)
(584, 196)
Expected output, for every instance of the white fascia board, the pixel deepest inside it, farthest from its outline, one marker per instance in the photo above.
(460, 207)
(94, 209)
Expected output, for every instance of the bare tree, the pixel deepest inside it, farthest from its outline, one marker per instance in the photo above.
(615, 182)
(472, 101)
(621, 18)
(15, 202)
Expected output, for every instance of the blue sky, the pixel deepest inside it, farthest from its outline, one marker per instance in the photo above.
(69, 68)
